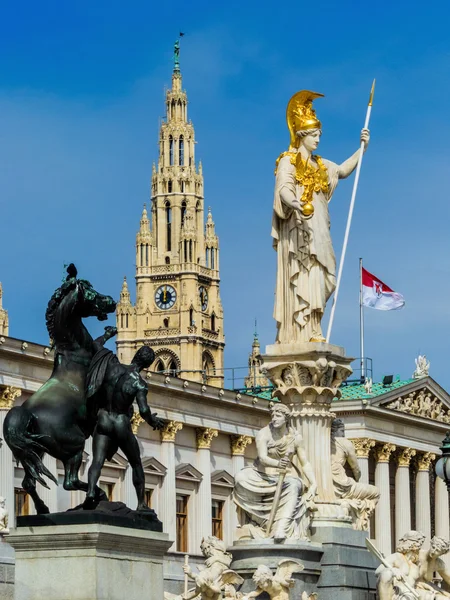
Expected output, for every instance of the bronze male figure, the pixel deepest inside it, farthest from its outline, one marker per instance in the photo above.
(111, 390)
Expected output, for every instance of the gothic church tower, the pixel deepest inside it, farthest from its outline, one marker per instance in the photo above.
(178, 309)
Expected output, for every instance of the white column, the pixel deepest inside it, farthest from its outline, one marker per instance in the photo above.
(203, 526)
(363, 447)
(7, 397)
(442, 524)
(402, 493)
(383, 509)
(238, 445)
(128, 490)
(168, 508)
(129, 493)
(49, 495)
(423, 505)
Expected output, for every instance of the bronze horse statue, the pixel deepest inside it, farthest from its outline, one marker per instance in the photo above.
(56, 419)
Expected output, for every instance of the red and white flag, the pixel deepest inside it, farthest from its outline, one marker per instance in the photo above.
(376, 294)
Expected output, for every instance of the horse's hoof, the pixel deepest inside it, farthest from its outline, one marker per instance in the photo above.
(42, 509)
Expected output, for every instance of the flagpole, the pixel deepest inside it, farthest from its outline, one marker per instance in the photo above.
(350, 215)
(361, 320)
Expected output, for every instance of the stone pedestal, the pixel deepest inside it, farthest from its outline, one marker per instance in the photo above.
(337, 563)
(88, 562)
(307, 377)
(6, 569)
(249, 554)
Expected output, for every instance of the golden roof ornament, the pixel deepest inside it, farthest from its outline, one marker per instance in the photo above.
(300, 114)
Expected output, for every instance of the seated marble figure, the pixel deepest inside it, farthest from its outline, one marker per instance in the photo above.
(281, 482)
(360, 497)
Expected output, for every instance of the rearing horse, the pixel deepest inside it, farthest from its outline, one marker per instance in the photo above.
(55, 419)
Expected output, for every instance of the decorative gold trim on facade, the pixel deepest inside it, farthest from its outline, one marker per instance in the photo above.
(8, 395)
(404, 457)
(136, 420)
(383, 453)
(205, 436)
(424, 461)
(239, 443)
(363, 446)
(170, 430)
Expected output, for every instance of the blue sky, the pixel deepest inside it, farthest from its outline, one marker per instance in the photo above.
(81, 92)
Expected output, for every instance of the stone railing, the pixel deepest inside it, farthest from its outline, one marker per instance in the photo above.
(209, 333)
(162, 332)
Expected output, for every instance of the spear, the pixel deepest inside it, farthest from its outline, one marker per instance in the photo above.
(350, 215)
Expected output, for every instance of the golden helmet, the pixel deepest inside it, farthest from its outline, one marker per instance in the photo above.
(300, 115)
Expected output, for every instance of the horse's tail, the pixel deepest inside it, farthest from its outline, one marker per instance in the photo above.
(26, 445)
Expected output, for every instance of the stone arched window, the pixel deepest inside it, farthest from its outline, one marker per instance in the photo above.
(170, 150)
(168, 227)
(159, 366)
(181, 150)
(208, 366)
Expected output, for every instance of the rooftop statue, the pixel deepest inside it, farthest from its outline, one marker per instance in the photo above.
(306, 265)
(422, 367)
(54, 420)
(275, 495)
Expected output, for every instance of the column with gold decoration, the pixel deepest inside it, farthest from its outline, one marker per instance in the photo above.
(168, 509)
(204, 511)
(8, 396)
(383, 526)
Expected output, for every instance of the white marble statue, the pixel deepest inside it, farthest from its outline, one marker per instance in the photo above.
(211, 580)
(3, 516)
(306, 265)
(368, 385)
(361, 498)
(422, 367)
(276, 586)
(431, 564)
(411, 571)
(399, 572)
(277, 492)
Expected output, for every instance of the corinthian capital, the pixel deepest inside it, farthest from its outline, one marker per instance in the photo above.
(169, 431)
(7, 397)
(404, 457)
(239, 443)
(424, 461)
(136, 420)
(383, 453)
(363, 446)
(205, 436)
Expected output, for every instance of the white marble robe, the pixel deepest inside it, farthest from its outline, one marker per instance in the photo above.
(306, 264)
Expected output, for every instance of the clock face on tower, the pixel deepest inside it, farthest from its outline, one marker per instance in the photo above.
(165, 297)
(203, 293)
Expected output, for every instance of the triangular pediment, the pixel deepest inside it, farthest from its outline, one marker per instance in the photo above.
(118, 461)
(421, 398)
(187, 472)
(153, 467)
(222, 478)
